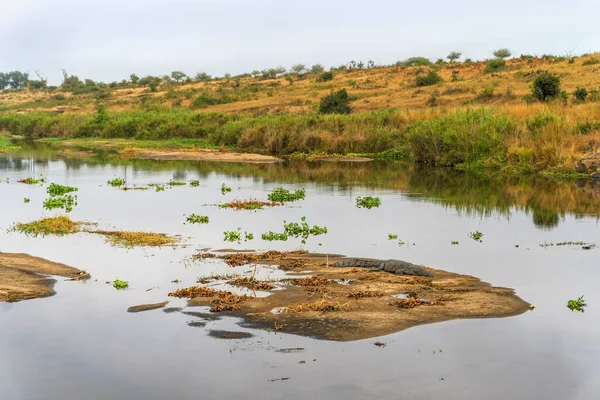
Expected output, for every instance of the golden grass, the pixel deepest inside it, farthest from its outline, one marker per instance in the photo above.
(137, 239)
(56, 226)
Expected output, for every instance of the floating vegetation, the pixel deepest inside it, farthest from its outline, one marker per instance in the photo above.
(116, 182)
(454, 242)
(26, 200)
(249, 204)
(309, 281)
(368, 202)
(251, 282)
(236, 236)
(55, 190)
(360, 294)
(33, 181)
(197, 219)
(294, 229)
(281, 195)
(58, 226)
(176, 183)
(66, 202)
(157, 186)
(119, 284)
(225, 189)
(194, 183)
(584, 245)
(577, 305)
(392, 236)
(137, 239)
(476, 236)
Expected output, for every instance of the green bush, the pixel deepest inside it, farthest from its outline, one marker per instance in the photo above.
(431, 78)
(580, 94)
(335, 103)
(325, 76)
(414, 62)
(495, 65)
(546, 87)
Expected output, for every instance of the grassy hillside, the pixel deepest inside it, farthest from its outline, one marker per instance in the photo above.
(472, 119)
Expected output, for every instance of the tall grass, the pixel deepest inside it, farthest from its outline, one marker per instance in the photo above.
(523, 139)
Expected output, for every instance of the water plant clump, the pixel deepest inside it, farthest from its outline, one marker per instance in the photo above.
(157, 186)
(282, 195)
(194, 183)
(197, 219)
(577, 305)
(55, 190)
(137, 239)
(26, 200)
(236, 236)
(116, 182)
(66, 202)
(368, 202)
(119, 284)
(296, 230)
(249, 204)
(392, 236)
(176, 183)
(476, 236)
(33, 181)
(225, 189)
(454, 242)
(57, 226)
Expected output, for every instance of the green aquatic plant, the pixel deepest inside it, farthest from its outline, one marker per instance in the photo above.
(477, 236)
(282, 195)
(368, 202)
(26, 200)
(60, 190)
(392, 236)
(157, 186)
(273, 236)
(66, 202)
(197, 219)
(33, 181)
(294, 229)
(194, 183)
(176, 183)
(454, 242)
(236, 236)
(577, 305)
(225, 189)
(119, 284)
(116, 182)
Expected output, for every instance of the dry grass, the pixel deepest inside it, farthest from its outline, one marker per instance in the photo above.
(323, 305)
(222, 299)
(361, 294)
(411, 302)
(251, 282)
(309, 281)
(239, 259)
(137, 239)
(57, 226)
(249, 204)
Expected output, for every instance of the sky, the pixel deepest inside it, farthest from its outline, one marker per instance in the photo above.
(110, 39)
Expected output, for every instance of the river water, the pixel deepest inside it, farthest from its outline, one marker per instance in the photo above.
(82, 344)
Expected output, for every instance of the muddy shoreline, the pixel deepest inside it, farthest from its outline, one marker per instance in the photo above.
(337, 309)
(24, 277)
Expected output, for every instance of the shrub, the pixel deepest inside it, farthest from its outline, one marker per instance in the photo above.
(546, 87)
(325, 76)
(335, 103)
(431, 78)
(495, 65)
(580, 94)
(502, 53)
(415, 62)
(591, 61)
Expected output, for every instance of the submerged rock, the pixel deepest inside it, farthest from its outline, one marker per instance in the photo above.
(589, 163)
(146, 307)
(230, 335)
(397, 267)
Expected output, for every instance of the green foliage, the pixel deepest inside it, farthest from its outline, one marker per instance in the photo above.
(415, 62)
(59, 190)
(119, 284)
(476, 236)
(335, 103)
(157, 187)
(225, 189)
(66, 202)
(34, 181)
(577, 305)
(454, 242)
(591, 61)
(392, 236)
(116, 182)
(281, 195)
(368, 202)
(194, 183)
(134, 79)
(502, 53)
(325, 77)
(431, 78)
(295, 230)
(197, 219)
(236, 236)
(317, 69)
(176, 183)
(13, 80)
(26, 200)
(178, 76)
(546, 87)
(580, 94)
(495, 65)
(206, 99)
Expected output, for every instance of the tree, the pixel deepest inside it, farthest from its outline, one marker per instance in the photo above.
(203, 77)
(16, 79)
(256, 73)
(546, 87)
(317, 69)
(415, 62)
(227, 76)
(454, 55)
(335, 103)
(370, 64)
(3, 80)
(502, 53)
(298, 68)
(178, 76)
(134, 79)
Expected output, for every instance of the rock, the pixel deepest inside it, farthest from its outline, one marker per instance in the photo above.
(596, 176)
(397, 267)
(589, 163)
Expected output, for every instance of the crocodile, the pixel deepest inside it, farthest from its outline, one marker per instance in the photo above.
(397, 267)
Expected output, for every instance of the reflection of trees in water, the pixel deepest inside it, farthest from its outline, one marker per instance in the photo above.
(481, 195)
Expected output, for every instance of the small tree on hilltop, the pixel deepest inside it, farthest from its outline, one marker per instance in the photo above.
(134, 78)
(454, 55)
(298, 68)
(317, 69)
(546, 87)
(178, 76)
(335, 103)
(502, 53)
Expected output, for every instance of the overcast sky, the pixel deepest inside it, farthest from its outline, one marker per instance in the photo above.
(108, 40)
